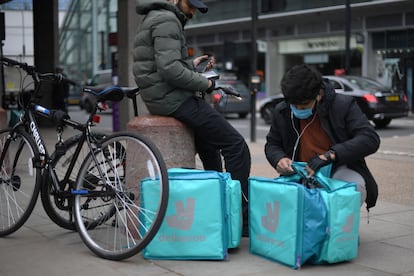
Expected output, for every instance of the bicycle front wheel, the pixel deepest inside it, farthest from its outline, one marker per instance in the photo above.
(111, 215)
(19, 179)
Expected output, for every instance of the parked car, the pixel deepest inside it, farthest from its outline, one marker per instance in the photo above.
(226, 104)
(99, 81)
(267, 105)
(75, 95)
(379, 103)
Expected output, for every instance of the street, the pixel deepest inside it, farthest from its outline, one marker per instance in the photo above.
(386, 235)
(398, 128)
(391, 165)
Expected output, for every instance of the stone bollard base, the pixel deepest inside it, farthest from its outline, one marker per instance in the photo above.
(173, 138)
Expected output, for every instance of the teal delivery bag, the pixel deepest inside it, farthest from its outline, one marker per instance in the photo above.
(296, 219)
(233, 210)
(288, 222)
(196, 222)
(233, 198)
(343, 203)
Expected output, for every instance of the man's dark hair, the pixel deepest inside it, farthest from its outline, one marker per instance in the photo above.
(301, 83)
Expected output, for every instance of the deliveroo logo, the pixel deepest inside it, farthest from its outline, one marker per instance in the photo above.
(184, 217)
(349, 225)
(271, 220)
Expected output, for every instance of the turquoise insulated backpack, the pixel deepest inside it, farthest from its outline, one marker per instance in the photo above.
(296, 220)
(200, 222)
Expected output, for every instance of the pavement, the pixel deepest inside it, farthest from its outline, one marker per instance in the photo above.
(386, 236)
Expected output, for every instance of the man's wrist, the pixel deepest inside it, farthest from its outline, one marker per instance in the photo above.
(330, 155)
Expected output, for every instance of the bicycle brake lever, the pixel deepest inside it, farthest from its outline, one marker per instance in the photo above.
(230, 92)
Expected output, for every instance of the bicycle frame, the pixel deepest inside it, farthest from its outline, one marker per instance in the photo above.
(29, 122)
(104, 195)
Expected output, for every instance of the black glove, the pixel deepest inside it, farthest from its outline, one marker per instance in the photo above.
(211, 87)
(316, 163)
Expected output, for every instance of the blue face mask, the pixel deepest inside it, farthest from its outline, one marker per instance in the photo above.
(301, 113)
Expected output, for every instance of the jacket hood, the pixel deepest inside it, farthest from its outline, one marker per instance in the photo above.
(328, 97)
(145, 6)
(329, 91)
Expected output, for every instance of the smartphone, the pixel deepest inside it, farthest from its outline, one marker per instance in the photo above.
(211, 74)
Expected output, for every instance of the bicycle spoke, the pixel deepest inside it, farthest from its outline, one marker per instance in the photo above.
(20, 181)
(115, 171)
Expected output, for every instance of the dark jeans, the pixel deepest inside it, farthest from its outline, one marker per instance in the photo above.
(214, 136)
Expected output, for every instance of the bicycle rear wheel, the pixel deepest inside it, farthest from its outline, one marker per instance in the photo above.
(59, 206)
(19, 179)
(111, 216)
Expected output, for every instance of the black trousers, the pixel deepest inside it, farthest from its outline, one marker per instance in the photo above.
(215, 136)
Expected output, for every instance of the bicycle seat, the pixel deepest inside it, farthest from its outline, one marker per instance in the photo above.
(112, 93)
(131, 92)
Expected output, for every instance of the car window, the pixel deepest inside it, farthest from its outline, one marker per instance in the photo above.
(106, 78)
(365, 84)
(335, 84)
(95, 80)
(101, 78)
(347, 88)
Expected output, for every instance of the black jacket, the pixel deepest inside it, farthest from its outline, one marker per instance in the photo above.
(352, 135)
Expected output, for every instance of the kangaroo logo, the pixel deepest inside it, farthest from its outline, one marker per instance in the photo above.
(347, 227)
(184, 217)
(271, 220)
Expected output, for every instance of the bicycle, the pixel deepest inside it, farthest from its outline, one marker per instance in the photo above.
(105, 202)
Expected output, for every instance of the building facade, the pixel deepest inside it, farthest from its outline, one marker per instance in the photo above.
(294, 31)
(87, 40)
(381, 44)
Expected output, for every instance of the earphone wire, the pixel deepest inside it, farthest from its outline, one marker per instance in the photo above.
(297, 132)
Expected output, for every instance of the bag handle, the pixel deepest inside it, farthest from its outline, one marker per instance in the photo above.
(319, 180)
(308, 182)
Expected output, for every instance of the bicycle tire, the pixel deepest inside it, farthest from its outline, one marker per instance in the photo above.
(121, 226)
(20, 179)
(59, 207)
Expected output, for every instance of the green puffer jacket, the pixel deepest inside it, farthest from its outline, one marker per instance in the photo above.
(162, 68)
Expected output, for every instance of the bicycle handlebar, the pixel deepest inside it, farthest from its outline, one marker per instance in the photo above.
(211, 74)
(11, 62)
(31, 70)
(229, 91)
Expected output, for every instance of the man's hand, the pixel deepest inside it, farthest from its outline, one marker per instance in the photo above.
(210, 64)
(212, 85)
(284, 166)
(318, 162)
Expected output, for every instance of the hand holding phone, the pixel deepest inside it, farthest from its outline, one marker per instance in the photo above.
(211, 61)
(205, 63)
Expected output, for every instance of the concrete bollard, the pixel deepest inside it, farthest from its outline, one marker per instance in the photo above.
(173, 138)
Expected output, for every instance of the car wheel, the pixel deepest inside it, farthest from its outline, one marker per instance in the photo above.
(243, 115)
(382, 123)
(267, 113)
